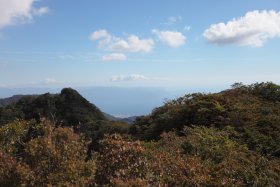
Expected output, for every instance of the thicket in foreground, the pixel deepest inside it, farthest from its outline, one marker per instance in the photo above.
(56, 157)
(200, 156)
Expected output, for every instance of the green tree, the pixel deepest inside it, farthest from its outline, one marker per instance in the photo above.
(230, 162)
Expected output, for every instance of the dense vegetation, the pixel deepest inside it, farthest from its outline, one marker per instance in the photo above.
(229, 138)
(67, 108)
(253, 111)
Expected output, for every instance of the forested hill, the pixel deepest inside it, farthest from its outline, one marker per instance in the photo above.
(222, 139)
(253, 111)
(68, 107)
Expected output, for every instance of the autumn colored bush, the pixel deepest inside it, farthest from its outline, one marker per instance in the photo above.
(14, 173)
(43, 155)
(120, 160)
(58, 158)
(125, 163)
(167, 166)
(169, 170)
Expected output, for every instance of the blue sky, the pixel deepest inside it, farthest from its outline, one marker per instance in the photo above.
(171, 44)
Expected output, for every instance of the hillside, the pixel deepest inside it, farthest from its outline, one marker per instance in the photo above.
(14, 99)
(253, 111)
(229, 138)
(68, 107)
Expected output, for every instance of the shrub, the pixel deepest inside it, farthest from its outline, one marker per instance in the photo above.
(58, 158)
(120, 161)
(14, 173)
(230, 161)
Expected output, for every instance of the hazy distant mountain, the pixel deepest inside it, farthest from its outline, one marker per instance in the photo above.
(128, 120)
(10, 100)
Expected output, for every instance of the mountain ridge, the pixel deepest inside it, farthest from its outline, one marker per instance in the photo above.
(15, 98)
(67, 107)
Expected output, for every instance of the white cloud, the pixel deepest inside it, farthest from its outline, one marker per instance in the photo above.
(102, 36)
(99, 34)
(132, 44)
(14, 12)
(114, 57)
(253, 29)
(112, 43)
(132, 77)
(172, 38)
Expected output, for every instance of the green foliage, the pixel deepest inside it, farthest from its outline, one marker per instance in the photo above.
(67, 108)
(97, 129)
(230, 162)
(191, 109)
(9, 114)
(73, 109)
(269, 91)
(13, 136)
(211, 143)
(253, 111)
